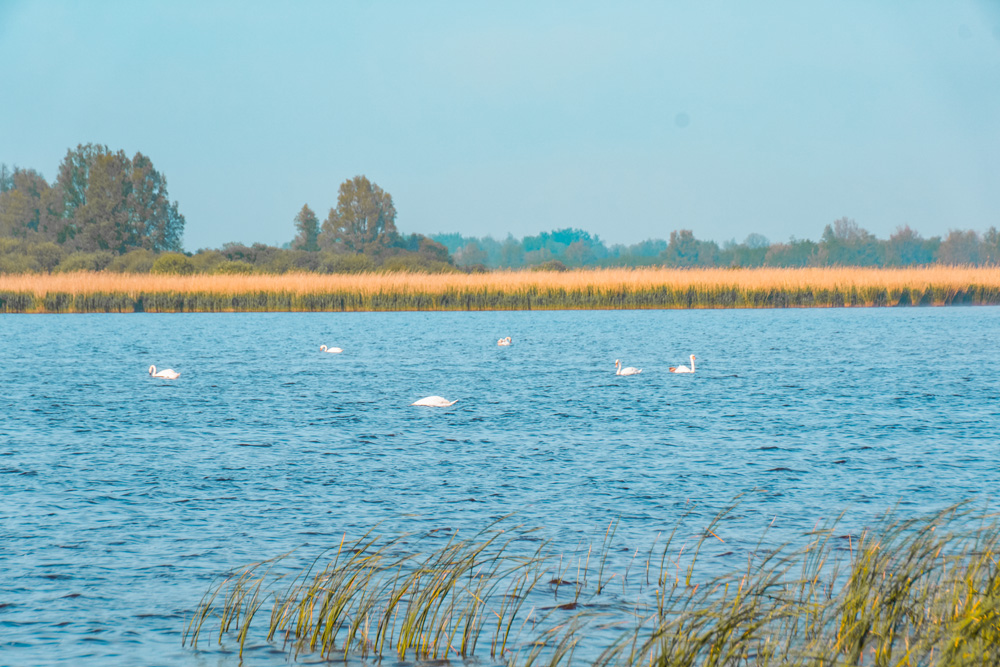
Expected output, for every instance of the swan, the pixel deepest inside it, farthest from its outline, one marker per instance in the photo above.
(628, 370)
(683, 369)
(331, 350)
(504, 341)
(435, 402)
(165, 374)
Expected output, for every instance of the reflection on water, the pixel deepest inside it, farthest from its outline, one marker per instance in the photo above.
(124, 496)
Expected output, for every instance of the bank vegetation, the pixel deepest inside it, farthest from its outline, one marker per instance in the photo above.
(98, 291)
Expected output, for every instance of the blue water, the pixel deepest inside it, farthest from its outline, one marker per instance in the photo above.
(124, 496)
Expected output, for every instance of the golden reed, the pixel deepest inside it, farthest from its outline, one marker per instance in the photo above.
(502, 290)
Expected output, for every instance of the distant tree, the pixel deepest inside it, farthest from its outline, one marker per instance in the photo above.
(6, 178)
(682, 250)
(432, 250)
(643, 253)
(906, 247)
(511, 253)
(845, 243)
(991, 247)
(960, 248)
(752, 252)
(363, 221)
(685, 250)
(307, 226)
(471, 254)
(578, 253)
(454, 241)
(794, 253)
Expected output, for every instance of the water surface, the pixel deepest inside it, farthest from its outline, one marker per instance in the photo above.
(124, 496)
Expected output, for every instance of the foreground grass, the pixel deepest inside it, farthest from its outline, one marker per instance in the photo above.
(908, 592)
(87, 292)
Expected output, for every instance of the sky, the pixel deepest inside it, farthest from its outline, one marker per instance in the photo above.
(627, 120)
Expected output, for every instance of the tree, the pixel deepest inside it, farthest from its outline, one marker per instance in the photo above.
(845, 243)
(511, 253)
(102, 222)
(794, 253)
(960, 248)
(991, 246)
(906, 247)
(307, 226)
(6, 178)
(364, 220)
(29, 208)
(685, 250)
(110, 202)
(471, 254)
(155, 223)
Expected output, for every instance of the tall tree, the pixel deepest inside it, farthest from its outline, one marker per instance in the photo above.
(103, 221)
(113, 203)
(364, 220)
(307, 226)
(154, 222)
(30, 208)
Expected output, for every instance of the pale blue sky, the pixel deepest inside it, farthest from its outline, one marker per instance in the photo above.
(627, 120)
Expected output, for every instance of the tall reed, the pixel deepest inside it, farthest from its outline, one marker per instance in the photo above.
(905, 592)
(526, 290)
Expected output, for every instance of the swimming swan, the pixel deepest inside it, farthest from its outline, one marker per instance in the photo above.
(628, 370)
(165, 374)
(435, 402)
(504, 341)
(683, 369)
(331, 350)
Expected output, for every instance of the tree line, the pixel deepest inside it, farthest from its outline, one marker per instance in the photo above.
(842, 243)
(106, 211)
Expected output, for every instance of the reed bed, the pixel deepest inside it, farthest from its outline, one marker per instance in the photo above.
(907, 592)
(87, 292)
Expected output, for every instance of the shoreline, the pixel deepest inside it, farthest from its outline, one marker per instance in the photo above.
(605, 289)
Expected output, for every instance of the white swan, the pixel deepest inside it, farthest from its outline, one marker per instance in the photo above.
(165, 374)
(628, 370)
(504, 341)
(331, 350)
(435, 402)
(683, 369)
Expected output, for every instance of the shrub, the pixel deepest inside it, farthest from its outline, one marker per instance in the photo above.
(174, 263)
(345, 263)
(207, 261)
(415, 263)
(48, 255)
(136, 261)
(16, 264)
(86, 261)
(233, 267)
(551, 265)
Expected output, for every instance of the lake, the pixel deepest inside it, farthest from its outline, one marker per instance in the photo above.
(125, 496)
